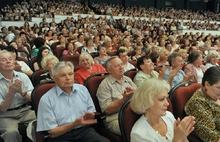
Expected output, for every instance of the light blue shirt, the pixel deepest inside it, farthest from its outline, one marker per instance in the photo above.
(177, 79)
(18, 100)
(57, 108)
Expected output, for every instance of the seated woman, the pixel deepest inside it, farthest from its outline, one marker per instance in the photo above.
(43, 52)
(47, 64)
(87, 68)
(212, 59)
(103, 56)
(205, 106)
(163, 57)
(146, 70)
(195, 66)
(19, 65)
(70, 49)
(89, 48)
(156, 123)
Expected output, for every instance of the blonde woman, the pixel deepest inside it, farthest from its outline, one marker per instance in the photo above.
(156, 123)
(87, 68)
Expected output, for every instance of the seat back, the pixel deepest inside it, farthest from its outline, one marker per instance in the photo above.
(35, 77)
(72, 58)
(180, 98)
(127, 118)
(92, 84)
(131, 73)
(59, 52)
(134, 63)
(32, 61)
(38, 92)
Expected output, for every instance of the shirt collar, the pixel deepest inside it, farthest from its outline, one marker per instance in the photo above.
(15, 74)
(60, 91)
(113, 80)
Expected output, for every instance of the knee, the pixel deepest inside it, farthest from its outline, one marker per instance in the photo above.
(12, 132)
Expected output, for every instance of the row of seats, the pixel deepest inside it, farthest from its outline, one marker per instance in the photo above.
(179, 95)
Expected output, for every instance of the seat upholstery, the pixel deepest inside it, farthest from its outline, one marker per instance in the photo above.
(127, 118)
(179, 98)
(36, 95)
(72, 58)
(92, 84)
(131, 73)
(35, 77)
(59, 52)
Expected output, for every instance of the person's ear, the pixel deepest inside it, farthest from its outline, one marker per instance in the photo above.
(207, 84)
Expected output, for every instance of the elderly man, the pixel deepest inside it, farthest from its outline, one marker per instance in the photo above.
(66, 110)
(176, 63)
(113, 92)
(15, 90)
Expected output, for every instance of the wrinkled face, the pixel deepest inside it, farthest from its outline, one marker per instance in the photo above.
(7, 62)
(178, 62)
(85, 62)
(45, 52)
(116, 67)
(160, 105)
(64, 77)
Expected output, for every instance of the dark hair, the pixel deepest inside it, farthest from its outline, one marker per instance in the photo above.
(211, 75)
(120, 50)
(39, 42)
(140, 61)
(194, 56)
(87, 40)
(154, 56)
(172, 57)
(39, 56)
(11, 49)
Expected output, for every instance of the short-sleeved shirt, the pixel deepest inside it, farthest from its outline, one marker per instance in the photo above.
(177, 79)
(57, 108)
(18, 100)
(110, 90)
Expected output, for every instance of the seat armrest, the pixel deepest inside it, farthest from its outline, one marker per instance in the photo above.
(100, 118)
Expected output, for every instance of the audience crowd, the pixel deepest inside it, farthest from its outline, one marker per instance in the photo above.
(156, 48)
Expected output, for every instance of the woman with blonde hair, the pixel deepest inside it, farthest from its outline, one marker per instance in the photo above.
(163, 57)
(156, 123)
(88, 67)
(47, 64)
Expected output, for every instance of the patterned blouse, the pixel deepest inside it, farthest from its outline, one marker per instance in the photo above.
(207, 115)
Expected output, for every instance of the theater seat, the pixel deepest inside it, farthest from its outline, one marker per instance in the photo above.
(179, 98)
(72, 58)
(92, 84)
(131, 73)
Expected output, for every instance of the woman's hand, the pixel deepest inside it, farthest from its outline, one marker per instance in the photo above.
(182, 128)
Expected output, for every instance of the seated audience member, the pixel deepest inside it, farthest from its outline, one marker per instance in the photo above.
(70, 49)
(212, 59)
(38, 43)
(123, 55)
(205, 106)
(103, 56)
(88, 67)
(20, 66)
(163, 57)
(154, 56)
(63, 42)
(146, 70)
(113, 92)
(156, 123)
(64, 122)
(47, 64)
(176, 64)
(43, 52)
(89, 48)
(15, 91)
(137, 53)
(184, 54)
(195, 66)
(108, 45)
